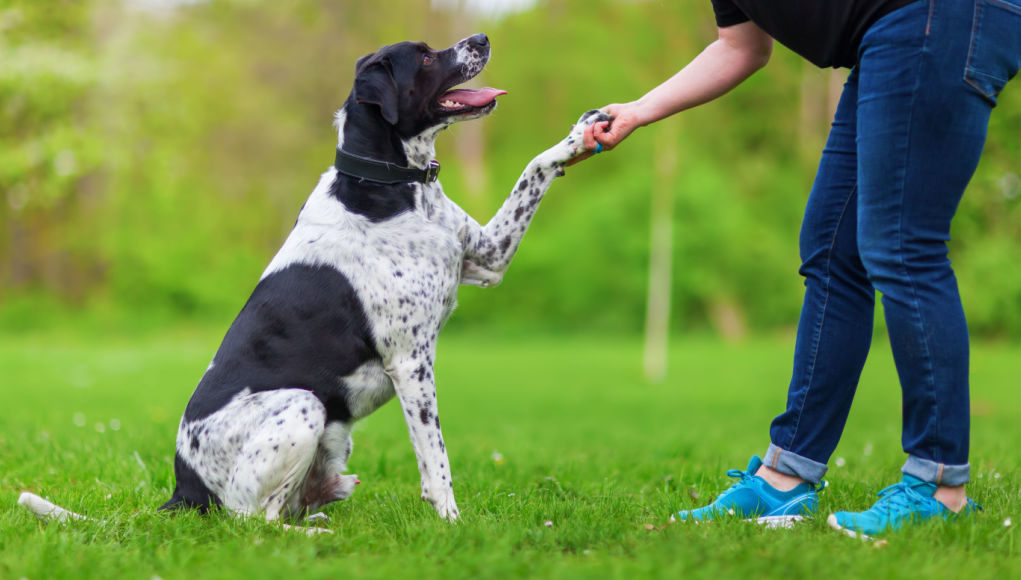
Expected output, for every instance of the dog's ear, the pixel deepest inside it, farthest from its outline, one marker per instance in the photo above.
(375, 85)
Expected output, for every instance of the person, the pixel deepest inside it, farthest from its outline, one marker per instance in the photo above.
(905, 140)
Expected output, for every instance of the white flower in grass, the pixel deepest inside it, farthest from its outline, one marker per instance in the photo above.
(497, 457)
(100, 428)
(1007, 523)
(115, 424)
(868, 449)
(548, 523)
(841, 462)
(78, 419)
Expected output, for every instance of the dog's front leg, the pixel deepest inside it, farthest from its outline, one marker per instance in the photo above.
(416, 390)
(489, 249)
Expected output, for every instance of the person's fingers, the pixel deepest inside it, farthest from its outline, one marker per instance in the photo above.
(597, 133)
(618, 129)
(600, 135)
(589, 140)
(608, 134)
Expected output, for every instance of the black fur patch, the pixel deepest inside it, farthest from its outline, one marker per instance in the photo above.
(190, 491)
(302, 328)
(375, 201)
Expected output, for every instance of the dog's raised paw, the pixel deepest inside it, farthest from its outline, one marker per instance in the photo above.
(593, 116)
(573, 145)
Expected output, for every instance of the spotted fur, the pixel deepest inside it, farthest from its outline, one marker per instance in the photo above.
(347, 314)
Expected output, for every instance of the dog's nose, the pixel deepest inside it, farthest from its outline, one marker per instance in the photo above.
(479, 40)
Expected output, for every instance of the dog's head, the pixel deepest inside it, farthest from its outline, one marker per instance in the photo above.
(411, 86)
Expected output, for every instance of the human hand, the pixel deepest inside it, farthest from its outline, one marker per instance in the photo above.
(608, 134)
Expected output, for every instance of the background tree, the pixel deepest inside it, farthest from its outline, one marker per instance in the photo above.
(153, 155)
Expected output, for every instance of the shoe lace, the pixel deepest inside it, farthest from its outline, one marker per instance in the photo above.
(899, 497)
(744, 478)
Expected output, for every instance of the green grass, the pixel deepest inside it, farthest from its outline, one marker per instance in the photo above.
(538, 430)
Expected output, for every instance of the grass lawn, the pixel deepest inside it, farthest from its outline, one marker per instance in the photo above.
(566, 464)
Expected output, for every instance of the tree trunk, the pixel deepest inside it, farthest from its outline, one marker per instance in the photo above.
(657, 319)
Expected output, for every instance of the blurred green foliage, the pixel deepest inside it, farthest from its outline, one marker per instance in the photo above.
(153, 156)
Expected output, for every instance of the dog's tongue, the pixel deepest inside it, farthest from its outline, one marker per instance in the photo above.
(473, 97)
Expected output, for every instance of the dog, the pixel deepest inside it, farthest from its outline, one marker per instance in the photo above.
(347, 314)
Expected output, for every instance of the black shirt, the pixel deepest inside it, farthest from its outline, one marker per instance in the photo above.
(825, 32)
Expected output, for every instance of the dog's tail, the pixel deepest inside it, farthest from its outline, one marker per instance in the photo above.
(49, 511)
(46, 510)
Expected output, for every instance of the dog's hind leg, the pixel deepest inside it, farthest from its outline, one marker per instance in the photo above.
(279, 450)
(326, 483)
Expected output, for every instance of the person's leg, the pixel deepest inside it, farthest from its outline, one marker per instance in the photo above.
(921, 130)
(833, 340)
(835, 329)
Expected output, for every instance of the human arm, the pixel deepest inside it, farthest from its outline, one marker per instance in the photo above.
(738, 52)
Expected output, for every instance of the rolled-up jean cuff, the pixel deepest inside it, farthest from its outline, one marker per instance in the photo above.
(938, 473)
(794, 464)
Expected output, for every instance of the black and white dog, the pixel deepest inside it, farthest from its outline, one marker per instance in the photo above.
(347, 314)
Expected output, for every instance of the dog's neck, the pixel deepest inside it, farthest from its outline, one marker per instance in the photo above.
(370, 136)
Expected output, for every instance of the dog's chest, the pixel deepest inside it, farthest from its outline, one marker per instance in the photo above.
(405, 270)
(417, 266)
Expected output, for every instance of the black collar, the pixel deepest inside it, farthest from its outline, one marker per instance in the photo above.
(381, 171)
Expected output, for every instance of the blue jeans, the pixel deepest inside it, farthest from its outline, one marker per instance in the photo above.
(905, 141)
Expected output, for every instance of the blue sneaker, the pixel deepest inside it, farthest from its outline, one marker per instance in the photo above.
(752, 499)
(902, 503)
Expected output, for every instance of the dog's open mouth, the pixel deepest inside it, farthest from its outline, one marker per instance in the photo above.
(466, 100)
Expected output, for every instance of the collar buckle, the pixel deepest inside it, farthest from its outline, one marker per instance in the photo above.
(432, 173)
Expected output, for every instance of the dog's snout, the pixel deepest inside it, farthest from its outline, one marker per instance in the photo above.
(479, 40)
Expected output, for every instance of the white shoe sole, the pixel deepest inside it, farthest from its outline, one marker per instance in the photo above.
(777, 521)
(771, 522)
(832, 521)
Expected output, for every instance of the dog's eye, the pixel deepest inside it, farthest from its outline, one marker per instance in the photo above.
(427, 59)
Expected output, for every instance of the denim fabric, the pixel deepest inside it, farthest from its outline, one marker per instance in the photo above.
(905, 141)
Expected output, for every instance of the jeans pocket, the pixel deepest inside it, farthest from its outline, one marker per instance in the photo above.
(995, 52)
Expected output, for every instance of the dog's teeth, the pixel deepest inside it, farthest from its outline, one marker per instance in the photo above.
(450, 105)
